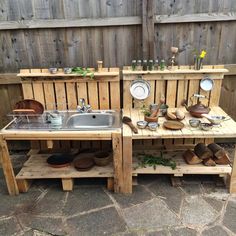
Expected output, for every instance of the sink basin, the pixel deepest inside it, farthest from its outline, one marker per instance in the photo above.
(70, 120)
(91, 120)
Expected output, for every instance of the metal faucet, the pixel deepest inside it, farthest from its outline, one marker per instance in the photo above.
(82, 108)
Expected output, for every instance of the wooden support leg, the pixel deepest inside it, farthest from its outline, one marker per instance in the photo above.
(110, 184)
(67, 184)
(49, 144)
(232, 186)
(8, 169)
(24, 185)
(117, 161)
(127, 164)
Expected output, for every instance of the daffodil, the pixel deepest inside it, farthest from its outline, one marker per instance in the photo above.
(203, 54)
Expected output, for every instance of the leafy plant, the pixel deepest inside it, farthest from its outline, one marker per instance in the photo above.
(145, 110)
(150, 160)
(83, 71)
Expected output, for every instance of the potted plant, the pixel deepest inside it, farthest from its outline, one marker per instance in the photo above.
(150, 113)
(198, 58)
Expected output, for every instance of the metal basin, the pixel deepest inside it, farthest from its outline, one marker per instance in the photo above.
(94, 120)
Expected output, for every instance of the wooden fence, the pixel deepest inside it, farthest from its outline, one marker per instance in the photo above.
(46, 33)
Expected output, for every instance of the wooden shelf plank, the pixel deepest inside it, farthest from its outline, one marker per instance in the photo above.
(182, 166)
(226, 130)
(176, 71)
(36, 167)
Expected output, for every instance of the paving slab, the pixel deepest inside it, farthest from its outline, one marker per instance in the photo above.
(85, 199)
(215, 231)
(23, 203)
(197, 212)
(215, 203)
(172, 196)
(102, 222)
(47, 225)
(157, 233)
(153, 214)
(51, 203)
(192, 189)
(9, 227)
(229, 220)
(139, 195)
(183, 232)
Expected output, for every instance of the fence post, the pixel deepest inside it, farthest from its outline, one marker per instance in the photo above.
(148, 34)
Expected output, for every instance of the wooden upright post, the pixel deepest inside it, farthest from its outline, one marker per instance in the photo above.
(148, 31)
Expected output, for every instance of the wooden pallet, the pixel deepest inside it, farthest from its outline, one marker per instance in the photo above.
(36, 167)
(62, 91)
(175, 85)
(182, 167)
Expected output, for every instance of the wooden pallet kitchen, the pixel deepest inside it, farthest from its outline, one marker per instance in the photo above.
(175, 85)
(62, 92)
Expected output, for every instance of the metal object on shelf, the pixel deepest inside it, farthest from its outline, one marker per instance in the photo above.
(142, 124)
(207, 84)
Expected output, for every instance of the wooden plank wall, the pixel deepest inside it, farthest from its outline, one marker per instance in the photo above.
(41, 34)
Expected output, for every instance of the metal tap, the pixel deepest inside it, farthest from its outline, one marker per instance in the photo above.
(82, 108)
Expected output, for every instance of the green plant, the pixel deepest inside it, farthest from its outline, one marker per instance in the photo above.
(83, 71)
(150, 160)
(145, 110)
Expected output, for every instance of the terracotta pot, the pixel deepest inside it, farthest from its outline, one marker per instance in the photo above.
(102, 158)
(151, 119)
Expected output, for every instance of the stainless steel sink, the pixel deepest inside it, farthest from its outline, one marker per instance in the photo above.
(71, 120)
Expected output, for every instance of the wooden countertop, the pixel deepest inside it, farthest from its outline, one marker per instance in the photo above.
(226, 130)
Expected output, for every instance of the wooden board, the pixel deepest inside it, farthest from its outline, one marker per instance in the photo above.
(36, 167)
(182, 166)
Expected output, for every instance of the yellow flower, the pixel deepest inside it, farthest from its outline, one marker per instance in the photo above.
(203, 54)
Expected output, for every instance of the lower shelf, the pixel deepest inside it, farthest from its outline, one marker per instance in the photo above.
(36, 167)
(182, 167)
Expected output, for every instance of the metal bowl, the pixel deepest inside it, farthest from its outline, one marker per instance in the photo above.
(215, 120)
(153, 126)
(206, 126)
(67, 70)
(53, 70)
(194, 123)
(142, 124)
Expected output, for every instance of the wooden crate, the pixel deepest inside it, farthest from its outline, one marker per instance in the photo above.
(62, 91)
(174, 85)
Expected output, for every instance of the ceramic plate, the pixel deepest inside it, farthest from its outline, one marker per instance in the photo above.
(140, 89)
(206, 84)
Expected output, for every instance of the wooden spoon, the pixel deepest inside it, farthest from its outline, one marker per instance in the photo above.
(126, 120)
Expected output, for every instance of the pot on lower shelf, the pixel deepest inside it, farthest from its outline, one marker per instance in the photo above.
(102, 158)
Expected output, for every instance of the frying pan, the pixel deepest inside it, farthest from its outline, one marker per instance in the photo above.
(28, 106)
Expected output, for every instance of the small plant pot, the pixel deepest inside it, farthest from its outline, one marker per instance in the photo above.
(102, 158)
(151, 119)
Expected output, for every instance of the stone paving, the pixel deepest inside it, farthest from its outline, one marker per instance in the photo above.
(199, 207)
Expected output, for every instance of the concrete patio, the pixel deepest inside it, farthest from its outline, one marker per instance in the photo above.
(199, 207)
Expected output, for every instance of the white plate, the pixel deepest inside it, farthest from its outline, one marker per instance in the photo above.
(206, 84)
(140, 89)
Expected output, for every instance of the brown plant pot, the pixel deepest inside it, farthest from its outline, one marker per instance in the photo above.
(102, 158)
(151, 119)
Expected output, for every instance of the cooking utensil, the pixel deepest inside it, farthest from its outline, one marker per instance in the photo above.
(215, 120)
(140, 89)
(59, 160)
(30, 104)
(83, 164)
(153, 126)
(198, 109)
(102, 158)
(142, 124)
(126, 120)
(173, 125)
(206, 84)
(53, 70)
(194, 123)
(206, 126)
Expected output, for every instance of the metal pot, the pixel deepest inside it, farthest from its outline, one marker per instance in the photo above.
(198, 109)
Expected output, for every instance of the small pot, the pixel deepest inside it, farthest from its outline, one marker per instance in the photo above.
(102, 158)
(151, 119)
(194, 123)
(142, 124)
(53, 70)
(206, 126)
(67, 70)
(153, 126)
